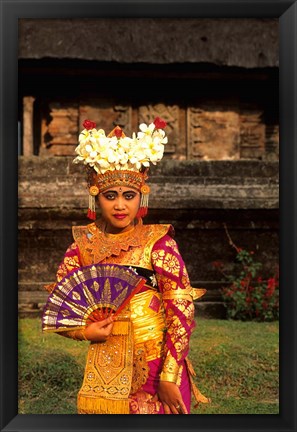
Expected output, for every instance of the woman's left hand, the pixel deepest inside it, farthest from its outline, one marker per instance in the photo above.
(170, 396)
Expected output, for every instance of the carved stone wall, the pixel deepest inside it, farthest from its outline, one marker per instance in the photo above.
(211, 130)
(216, 86)
(196, 197)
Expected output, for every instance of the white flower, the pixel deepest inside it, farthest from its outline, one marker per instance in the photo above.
(102, 165)
(147, 129)
(111, 156)
(159, 135)
(109, 153)
(126, 143)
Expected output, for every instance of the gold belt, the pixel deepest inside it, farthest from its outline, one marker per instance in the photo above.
(148, 318)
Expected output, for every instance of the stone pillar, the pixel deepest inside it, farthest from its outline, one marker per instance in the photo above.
(28, 148)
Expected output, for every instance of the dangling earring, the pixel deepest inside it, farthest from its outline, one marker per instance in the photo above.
(143, 207)
(93, 192)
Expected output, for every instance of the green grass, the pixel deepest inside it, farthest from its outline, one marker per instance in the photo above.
(236, 365)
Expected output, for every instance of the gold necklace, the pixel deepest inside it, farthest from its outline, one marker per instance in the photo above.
(105, 244)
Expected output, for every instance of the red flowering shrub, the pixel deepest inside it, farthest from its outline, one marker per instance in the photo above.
(247, 295)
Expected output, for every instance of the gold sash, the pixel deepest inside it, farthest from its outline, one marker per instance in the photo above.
(118, 367)
(108, 374)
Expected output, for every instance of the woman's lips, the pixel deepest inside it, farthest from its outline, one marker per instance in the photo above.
(120, 216)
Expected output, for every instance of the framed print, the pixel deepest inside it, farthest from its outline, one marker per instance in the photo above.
(12, 13)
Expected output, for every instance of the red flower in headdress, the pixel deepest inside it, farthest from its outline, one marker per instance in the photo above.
(88, 124)
(160, 123)
(118, 132)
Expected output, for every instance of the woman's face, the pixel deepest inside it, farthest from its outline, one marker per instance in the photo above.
(119, 206)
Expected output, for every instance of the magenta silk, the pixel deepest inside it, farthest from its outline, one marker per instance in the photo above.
(180, 280)
(151, 387)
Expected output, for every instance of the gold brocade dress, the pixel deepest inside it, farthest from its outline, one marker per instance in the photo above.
(150, 338)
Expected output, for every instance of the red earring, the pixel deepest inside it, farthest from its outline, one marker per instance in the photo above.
(93, 192)
(143, 208)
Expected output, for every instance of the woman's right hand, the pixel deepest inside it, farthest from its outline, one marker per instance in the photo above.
(99, 331)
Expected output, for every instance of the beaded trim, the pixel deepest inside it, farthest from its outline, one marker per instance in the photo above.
(133, 179)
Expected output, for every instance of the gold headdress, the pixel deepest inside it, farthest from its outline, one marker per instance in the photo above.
(118, 160)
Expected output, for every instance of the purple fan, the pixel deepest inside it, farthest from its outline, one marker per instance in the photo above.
(88, 294)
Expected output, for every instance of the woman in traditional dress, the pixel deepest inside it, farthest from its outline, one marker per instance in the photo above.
(138, 362)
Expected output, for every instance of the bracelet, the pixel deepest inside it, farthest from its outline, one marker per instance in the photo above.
(79, 335)
(83, 334)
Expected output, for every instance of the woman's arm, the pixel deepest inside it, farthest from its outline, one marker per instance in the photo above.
(174, 283)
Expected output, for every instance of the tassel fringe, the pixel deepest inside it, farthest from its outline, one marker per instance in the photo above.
(92, 208)
(199, 397)
(143, 208)
(89, 405)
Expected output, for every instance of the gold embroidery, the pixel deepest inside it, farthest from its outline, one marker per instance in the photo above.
(179, 377)
(166, 283)
(142, 403)
(140, 369)
(179, 336)
(171, 264)
(147, 323)
(138, 254)
(50, 287)
(135, 248)
(172, 244)
(178, 294)
(96, 246)
(158, 256)
(71, 262)
(197, 293)
(175, 328)
(199, 397)
(75, 296)
(68, 264)
(186, 282)
(108, 376)
(144, 352)
(154, 348)
(170, 369)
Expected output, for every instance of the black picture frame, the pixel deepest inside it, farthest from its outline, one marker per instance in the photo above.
(11, 11)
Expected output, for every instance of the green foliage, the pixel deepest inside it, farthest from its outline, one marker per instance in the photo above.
(247, 295)
(236, 364)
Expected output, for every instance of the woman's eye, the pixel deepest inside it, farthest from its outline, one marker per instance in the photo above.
(110, 196)
(129, 196)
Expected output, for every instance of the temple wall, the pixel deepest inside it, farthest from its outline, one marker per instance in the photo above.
(196, 197)
(215, 81)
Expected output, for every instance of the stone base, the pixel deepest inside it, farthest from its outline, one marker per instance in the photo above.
(210, 310)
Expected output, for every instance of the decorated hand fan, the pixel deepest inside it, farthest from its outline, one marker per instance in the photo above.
(90, 294)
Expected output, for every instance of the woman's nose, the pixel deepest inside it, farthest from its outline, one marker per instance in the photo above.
(119, 203)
